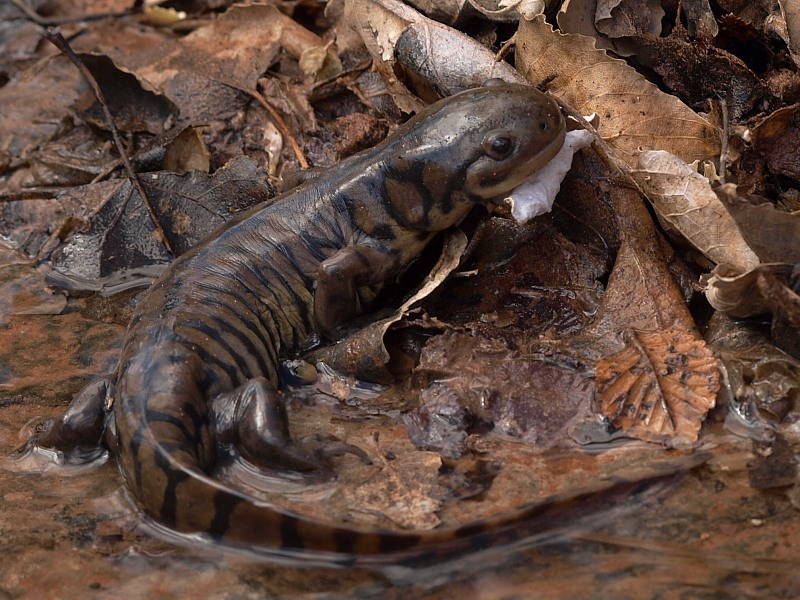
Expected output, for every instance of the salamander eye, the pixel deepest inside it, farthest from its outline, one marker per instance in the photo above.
(498, 145)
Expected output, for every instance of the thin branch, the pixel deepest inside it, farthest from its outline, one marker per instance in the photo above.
(281, 125)
(723, 151)
(55, 38)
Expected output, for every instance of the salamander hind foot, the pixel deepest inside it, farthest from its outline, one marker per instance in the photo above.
(82, 434)
(253, 418)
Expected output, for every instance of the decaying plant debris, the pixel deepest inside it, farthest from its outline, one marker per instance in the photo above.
(647, 325)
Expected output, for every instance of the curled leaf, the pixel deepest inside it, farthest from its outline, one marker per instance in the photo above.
(737, 294)
(659, 387)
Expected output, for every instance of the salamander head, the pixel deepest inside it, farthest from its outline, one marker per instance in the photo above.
(470, 148)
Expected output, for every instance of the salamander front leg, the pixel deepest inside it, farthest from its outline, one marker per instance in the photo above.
(346, 283)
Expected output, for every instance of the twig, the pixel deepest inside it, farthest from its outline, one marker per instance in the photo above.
(55, 37)
(280, 124)
(51, 21)
(723, 150)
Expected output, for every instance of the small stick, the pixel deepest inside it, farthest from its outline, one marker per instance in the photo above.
(54, 37)
(723, 150)
(280, 124)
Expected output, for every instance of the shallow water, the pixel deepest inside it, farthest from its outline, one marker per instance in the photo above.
(706, 534)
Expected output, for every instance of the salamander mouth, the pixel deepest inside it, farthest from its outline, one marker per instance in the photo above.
(537, 159)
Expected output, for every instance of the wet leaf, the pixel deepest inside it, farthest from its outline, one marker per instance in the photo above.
(763, 383)
(660, 387)
(685, 202)
(641, 293)
(120, 235)
(634, 114)
(404, 491)
(474, 381)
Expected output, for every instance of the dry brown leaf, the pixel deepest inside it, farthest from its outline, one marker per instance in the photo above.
(577, 17)
(659, 387)
(635, 115)
(685, 201)
(187, 152)
(446, 59)
(790, 10)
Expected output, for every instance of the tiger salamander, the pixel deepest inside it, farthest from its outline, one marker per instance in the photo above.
(199, 365)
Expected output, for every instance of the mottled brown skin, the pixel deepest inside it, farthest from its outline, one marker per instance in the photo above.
(199, 365)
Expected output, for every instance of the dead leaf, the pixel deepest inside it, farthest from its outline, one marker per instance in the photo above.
(641, 293)
(660, 387)
(33, 109)
(634, 114)
(443, 60)
(685, 202)
(404, 491)
(470, 380)
(737, 293)
(624, 18)
(700, 18)
(28, 295)
(134, 108)
(763, 382)
(790, 11)
(203, 72)
(120, 234)
(773, 234)
(187, 152)
(777, 138)
(698, 72)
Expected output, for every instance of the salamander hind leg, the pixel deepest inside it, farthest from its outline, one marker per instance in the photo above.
(80, 434)
(253, 417)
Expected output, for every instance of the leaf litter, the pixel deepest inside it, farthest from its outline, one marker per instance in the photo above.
(573, 327)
